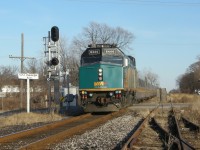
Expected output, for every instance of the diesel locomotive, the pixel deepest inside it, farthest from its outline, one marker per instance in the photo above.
(108, 79)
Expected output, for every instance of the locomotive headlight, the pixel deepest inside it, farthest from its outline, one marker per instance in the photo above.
(90, 94)
(100, 70)
(110, 94)
(100, 73)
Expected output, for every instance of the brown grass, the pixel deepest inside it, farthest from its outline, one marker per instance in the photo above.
(14, 102)
(28, 118)
(144, 112)
(193, 112)
(183, 98)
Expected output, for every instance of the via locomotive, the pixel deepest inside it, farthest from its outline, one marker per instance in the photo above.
(108, 79)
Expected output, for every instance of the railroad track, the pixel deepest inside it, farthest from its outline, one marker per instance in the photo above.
(133, 139)
(45, 136)
(173, 131)
(159, 122)
(189, 132)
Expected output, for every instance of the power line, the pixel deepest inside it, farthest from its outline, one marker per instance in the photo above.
(143, 2)
(164, 2)
(22, 58)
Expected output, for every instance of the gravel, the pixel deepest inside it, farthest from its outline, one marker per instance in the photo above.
(17, 128)
(107, 136)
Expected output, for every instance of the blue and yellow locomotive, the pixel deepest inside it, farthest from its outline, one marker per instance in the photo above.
(107, 79)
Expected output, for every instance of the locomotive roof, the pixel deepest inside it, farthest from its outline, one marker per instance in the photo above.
(102, 50)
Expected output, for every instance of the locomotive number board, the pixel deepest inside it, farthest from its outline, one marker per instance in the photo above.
(94, 52)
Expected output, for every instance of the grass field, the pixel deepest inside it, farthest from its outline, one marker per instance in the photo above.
(29, 118)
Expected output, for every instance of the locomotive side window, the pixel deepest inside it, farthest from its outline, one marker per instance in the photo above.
(132, 60)
(125, 62)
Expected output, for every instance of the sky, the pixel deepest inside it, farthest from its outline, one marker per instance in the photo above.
(167, 32)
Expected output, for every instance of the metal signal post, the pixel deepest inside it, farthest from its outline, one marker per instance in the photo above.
(52, 61)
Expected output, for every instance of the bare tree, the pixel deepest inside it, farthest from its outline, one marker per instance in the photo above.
(32, 66)
(122, 38)
(186, 83)
(69, 62)
(189, 81)
(150, 78)
(97, 33)
(7, 76)
(38, 86)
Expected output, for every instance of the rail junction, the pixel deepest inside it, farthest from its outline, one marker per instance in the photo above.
(165, 125)
(174, 131)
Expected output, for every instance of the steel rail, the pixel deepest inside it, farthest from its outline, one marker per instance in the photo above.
(44, 143)
(183, 143)
(133, 139)
(166, 134)
(12, 137)
(190, 124)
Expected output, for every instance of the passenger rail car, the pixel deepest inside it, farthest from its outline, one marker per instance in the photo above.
(107, 79)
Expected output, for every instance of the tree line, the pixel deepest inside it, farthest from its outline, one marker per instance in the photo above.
(94, 33)
(189, 82)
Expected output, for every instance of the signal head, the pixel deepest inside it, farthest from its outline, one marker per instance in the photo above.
(54, 33)
(54, 61)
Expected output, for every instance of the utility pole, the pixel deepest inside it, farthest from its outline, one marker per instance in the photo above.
(22, 58)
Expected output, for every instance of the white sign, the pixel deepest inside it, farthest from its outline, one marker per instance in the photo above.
(28, 76)
(2, 94)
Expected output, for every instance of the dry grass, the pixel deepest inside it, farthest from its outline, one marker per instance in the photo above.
(193, 112)
(144, 112)
(28, 118)
(183, 98)
(14, 102)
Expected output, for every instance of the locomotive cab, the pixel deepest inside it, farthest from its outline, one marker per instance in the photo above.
(104, 77)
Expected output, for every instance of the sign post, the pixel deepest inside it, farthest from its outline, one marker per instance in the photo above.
(28, 76)
(2, 95)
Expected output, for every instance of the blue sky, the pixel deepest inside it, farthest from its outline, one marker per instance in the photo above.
(167, 33)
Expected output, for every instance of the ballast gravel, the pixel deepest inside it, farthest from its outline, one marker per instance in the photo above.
(18, 128)
(107, 136)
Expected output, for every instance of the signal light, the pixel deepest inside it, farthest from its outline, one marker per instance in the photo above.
(54, 61)
(54, 33)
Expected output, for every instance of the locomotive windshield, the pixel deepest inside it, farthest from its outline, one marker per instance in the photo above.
(102, 55)
(104, 59)
(113, 59)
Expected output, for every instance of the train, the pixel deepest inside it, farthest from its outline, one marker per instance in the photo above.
(108, 80)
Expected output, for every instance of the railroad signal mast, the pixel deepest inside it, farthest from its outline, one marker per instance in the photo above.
(51, 61)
